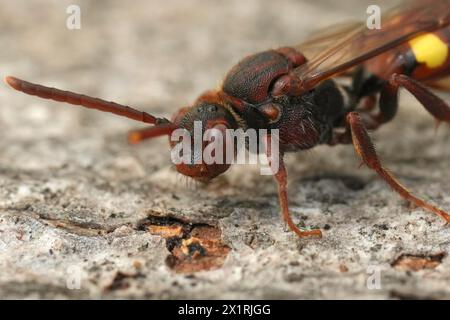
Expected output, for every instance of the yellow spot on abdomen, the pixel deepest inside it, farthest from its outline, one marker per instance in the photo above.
(430, 50)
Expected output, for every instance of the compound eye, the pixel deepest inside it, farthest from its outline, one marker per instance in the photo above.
(272, 111)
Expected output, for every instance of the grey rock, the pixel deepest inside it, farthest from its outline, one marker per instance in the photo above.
(72, 191)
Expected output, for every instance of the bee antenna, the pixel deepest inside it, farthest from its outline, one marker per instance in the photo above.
(80, 99)
(159, 130)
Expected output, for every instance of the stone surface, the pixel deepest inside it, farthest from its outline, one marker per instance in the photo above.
(82, 213)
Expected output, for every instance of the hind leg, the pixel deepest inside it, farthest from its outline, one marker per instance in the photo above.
(366, 151)
(437, 107)
(388, 102)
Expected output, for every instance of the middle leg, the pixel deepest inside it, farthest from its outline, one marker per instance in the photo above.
(366, 151)
(388, 102)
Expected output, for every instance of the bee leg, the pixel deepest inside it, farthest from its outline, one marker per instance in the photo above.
(366, 151)
(436, 106)
(388, 103)
(280, 175)
(388, 106)
(79, 99)
(368, 103)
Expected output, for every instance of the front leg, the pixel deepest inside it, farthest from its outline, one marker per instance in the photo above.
(280, 175)
(366, 150)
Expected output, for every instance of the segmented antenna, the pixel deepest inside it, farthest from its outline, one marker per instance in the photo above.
(79, 99)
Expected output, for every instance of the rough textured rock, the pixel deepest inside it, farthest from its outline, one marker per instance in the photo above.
(78, 205)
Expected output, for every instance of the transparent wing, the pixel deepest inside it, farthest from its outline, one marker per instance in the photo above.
(347, 45)
(441, 84)
(326, 38)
